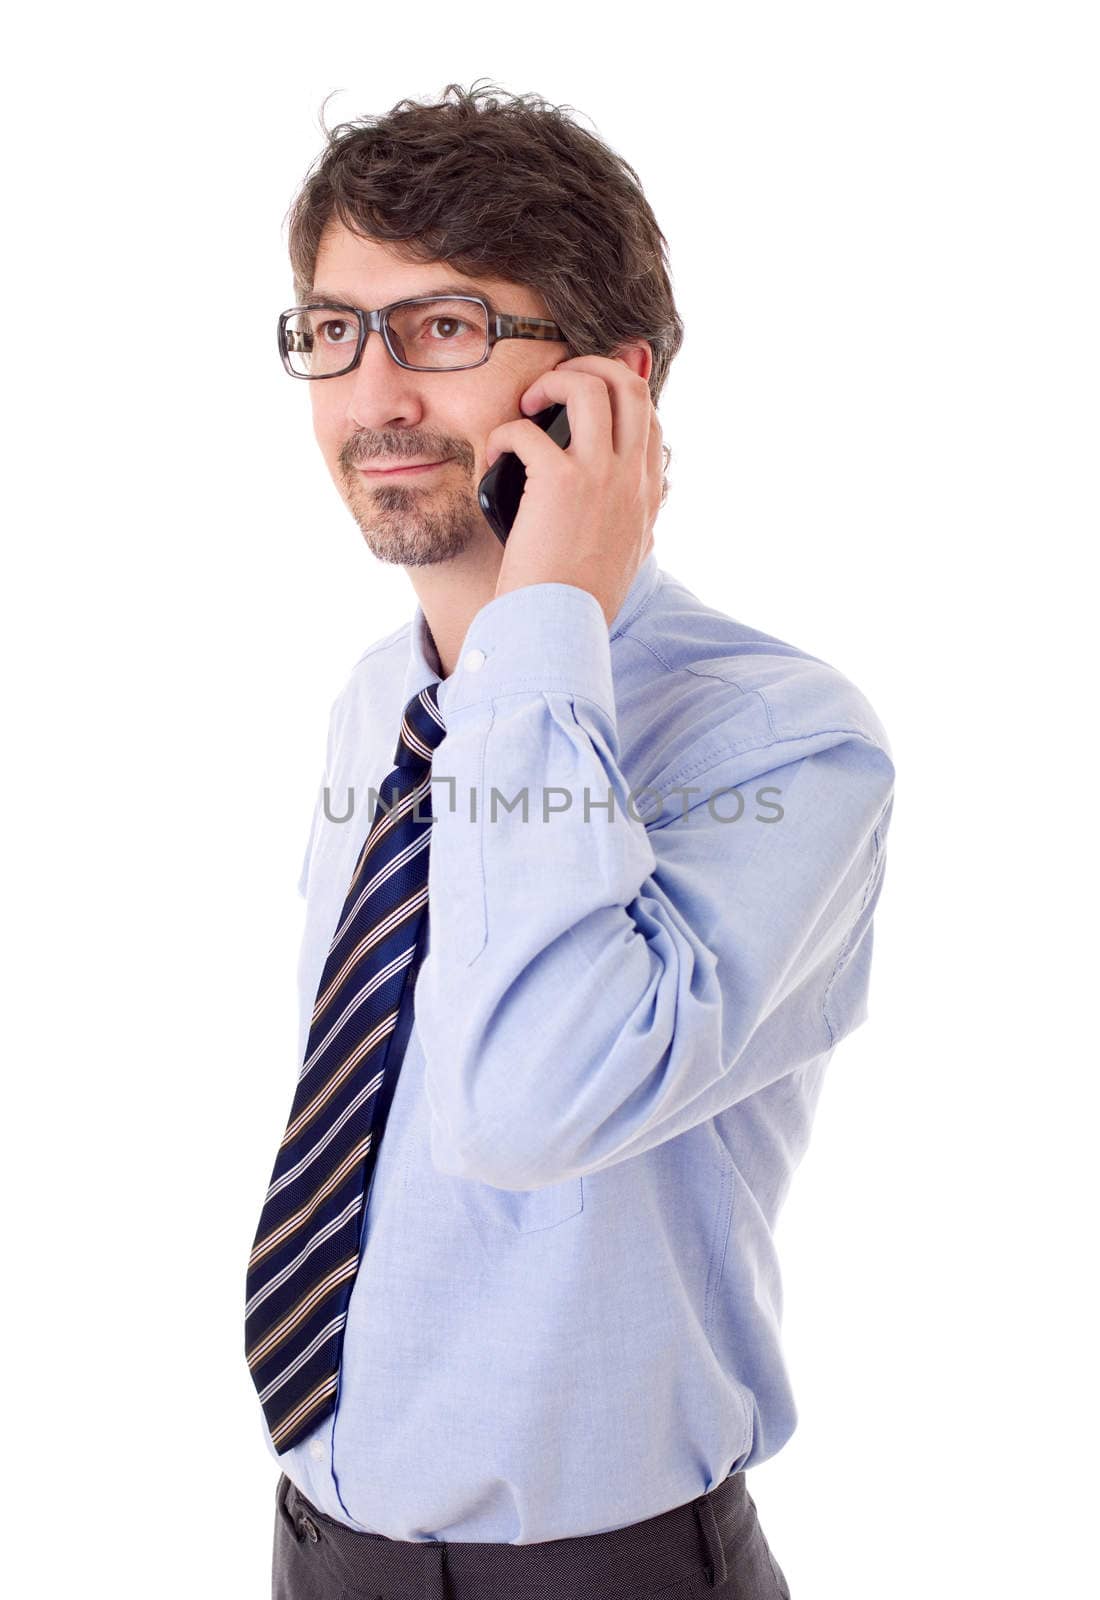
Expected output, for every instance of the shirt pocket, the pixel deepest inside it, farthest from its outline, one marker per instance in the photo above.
(521, 1210)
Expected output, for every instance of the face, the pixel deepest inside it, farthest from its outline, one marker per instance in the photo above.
(381, 414)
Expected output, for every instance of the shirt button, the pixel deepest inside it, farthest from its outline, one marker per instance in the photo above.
(317, 1450)
(473, 660)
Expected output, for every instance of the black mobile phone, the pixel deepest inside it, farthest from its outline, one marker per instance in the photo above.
(501, 489)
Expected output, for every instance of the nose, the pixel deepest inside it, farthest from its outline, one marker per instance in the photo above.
(379, 390)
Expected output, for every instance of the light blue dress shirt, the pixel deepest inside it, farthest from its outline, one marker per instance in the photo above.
(567, 1313)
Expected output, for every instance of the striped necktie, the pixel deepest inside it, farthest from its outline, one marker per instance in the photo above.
(306, 1251)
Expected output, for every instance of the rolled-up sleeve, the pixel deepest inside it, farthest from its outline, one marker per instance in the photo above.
(596, 984)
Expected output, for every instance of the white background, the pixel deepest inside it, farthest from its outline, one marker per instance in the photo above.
(883, 235)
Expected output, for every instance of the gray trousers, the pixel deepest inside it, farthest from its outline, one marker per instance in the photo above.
(712, 1547)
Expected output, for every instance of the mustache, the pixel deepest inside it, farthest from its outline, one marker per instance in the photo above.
(359, 455)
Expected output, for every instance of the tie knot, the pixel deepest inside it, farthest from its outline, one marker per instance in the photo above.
(422, 728)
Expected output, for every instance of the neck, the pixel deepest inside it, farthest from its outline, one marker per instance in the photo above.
(451, 593)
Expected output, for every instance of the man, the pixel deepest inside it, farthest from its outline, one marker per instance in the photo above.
(589, 894)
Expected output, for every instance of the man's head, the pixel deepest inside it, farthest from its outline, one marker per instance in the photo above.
(510, 199)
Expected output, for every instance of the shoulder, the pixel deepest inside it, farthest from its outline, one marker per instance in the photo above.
(697, 689)
(372, 681)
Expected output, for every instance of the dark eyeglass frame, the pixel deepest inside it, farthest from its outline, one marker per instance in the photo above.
(498, 325)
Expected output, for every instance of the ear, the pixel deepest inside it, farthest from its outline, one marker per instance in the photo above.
(638, 357)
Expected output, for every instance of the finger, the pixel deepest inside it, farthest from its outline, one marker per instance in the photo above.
(526, 439)
(587, 401)
(655, 458)
(628, 397)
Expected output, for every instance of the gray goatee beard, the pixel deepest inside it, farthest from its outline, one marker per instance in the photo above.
(399, 527)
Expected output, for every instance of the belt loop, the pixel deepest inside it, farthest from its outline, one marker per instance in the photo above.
(716, 1555)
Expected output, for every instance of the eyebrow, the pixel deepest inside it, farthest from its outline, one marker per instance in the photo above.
(436, 289)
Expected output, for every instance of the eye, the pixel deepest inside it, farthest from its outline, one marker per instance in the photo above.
(337, 330)
(455, 322)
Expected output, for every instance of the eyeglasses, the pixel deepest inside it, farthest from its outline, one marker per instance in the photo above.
(430, 333)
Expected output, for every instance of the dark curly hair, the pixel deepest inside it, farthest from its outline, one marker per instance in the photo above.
(509, 186)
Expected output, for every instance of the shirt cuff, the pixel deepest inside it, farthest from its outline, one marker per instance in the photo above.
(543, 636)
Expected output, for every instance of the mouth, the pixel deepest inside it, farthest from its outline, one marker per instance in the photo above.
(395, 472)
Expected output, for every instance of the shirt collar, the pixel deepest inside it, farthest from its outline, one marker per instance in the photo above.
(422, 667)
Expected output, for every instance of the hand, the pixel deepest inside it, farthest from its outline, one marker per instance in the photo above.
(587, 513)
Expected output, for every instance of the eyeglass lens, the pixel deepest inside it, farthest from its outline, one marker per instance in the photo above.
(429, 334)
